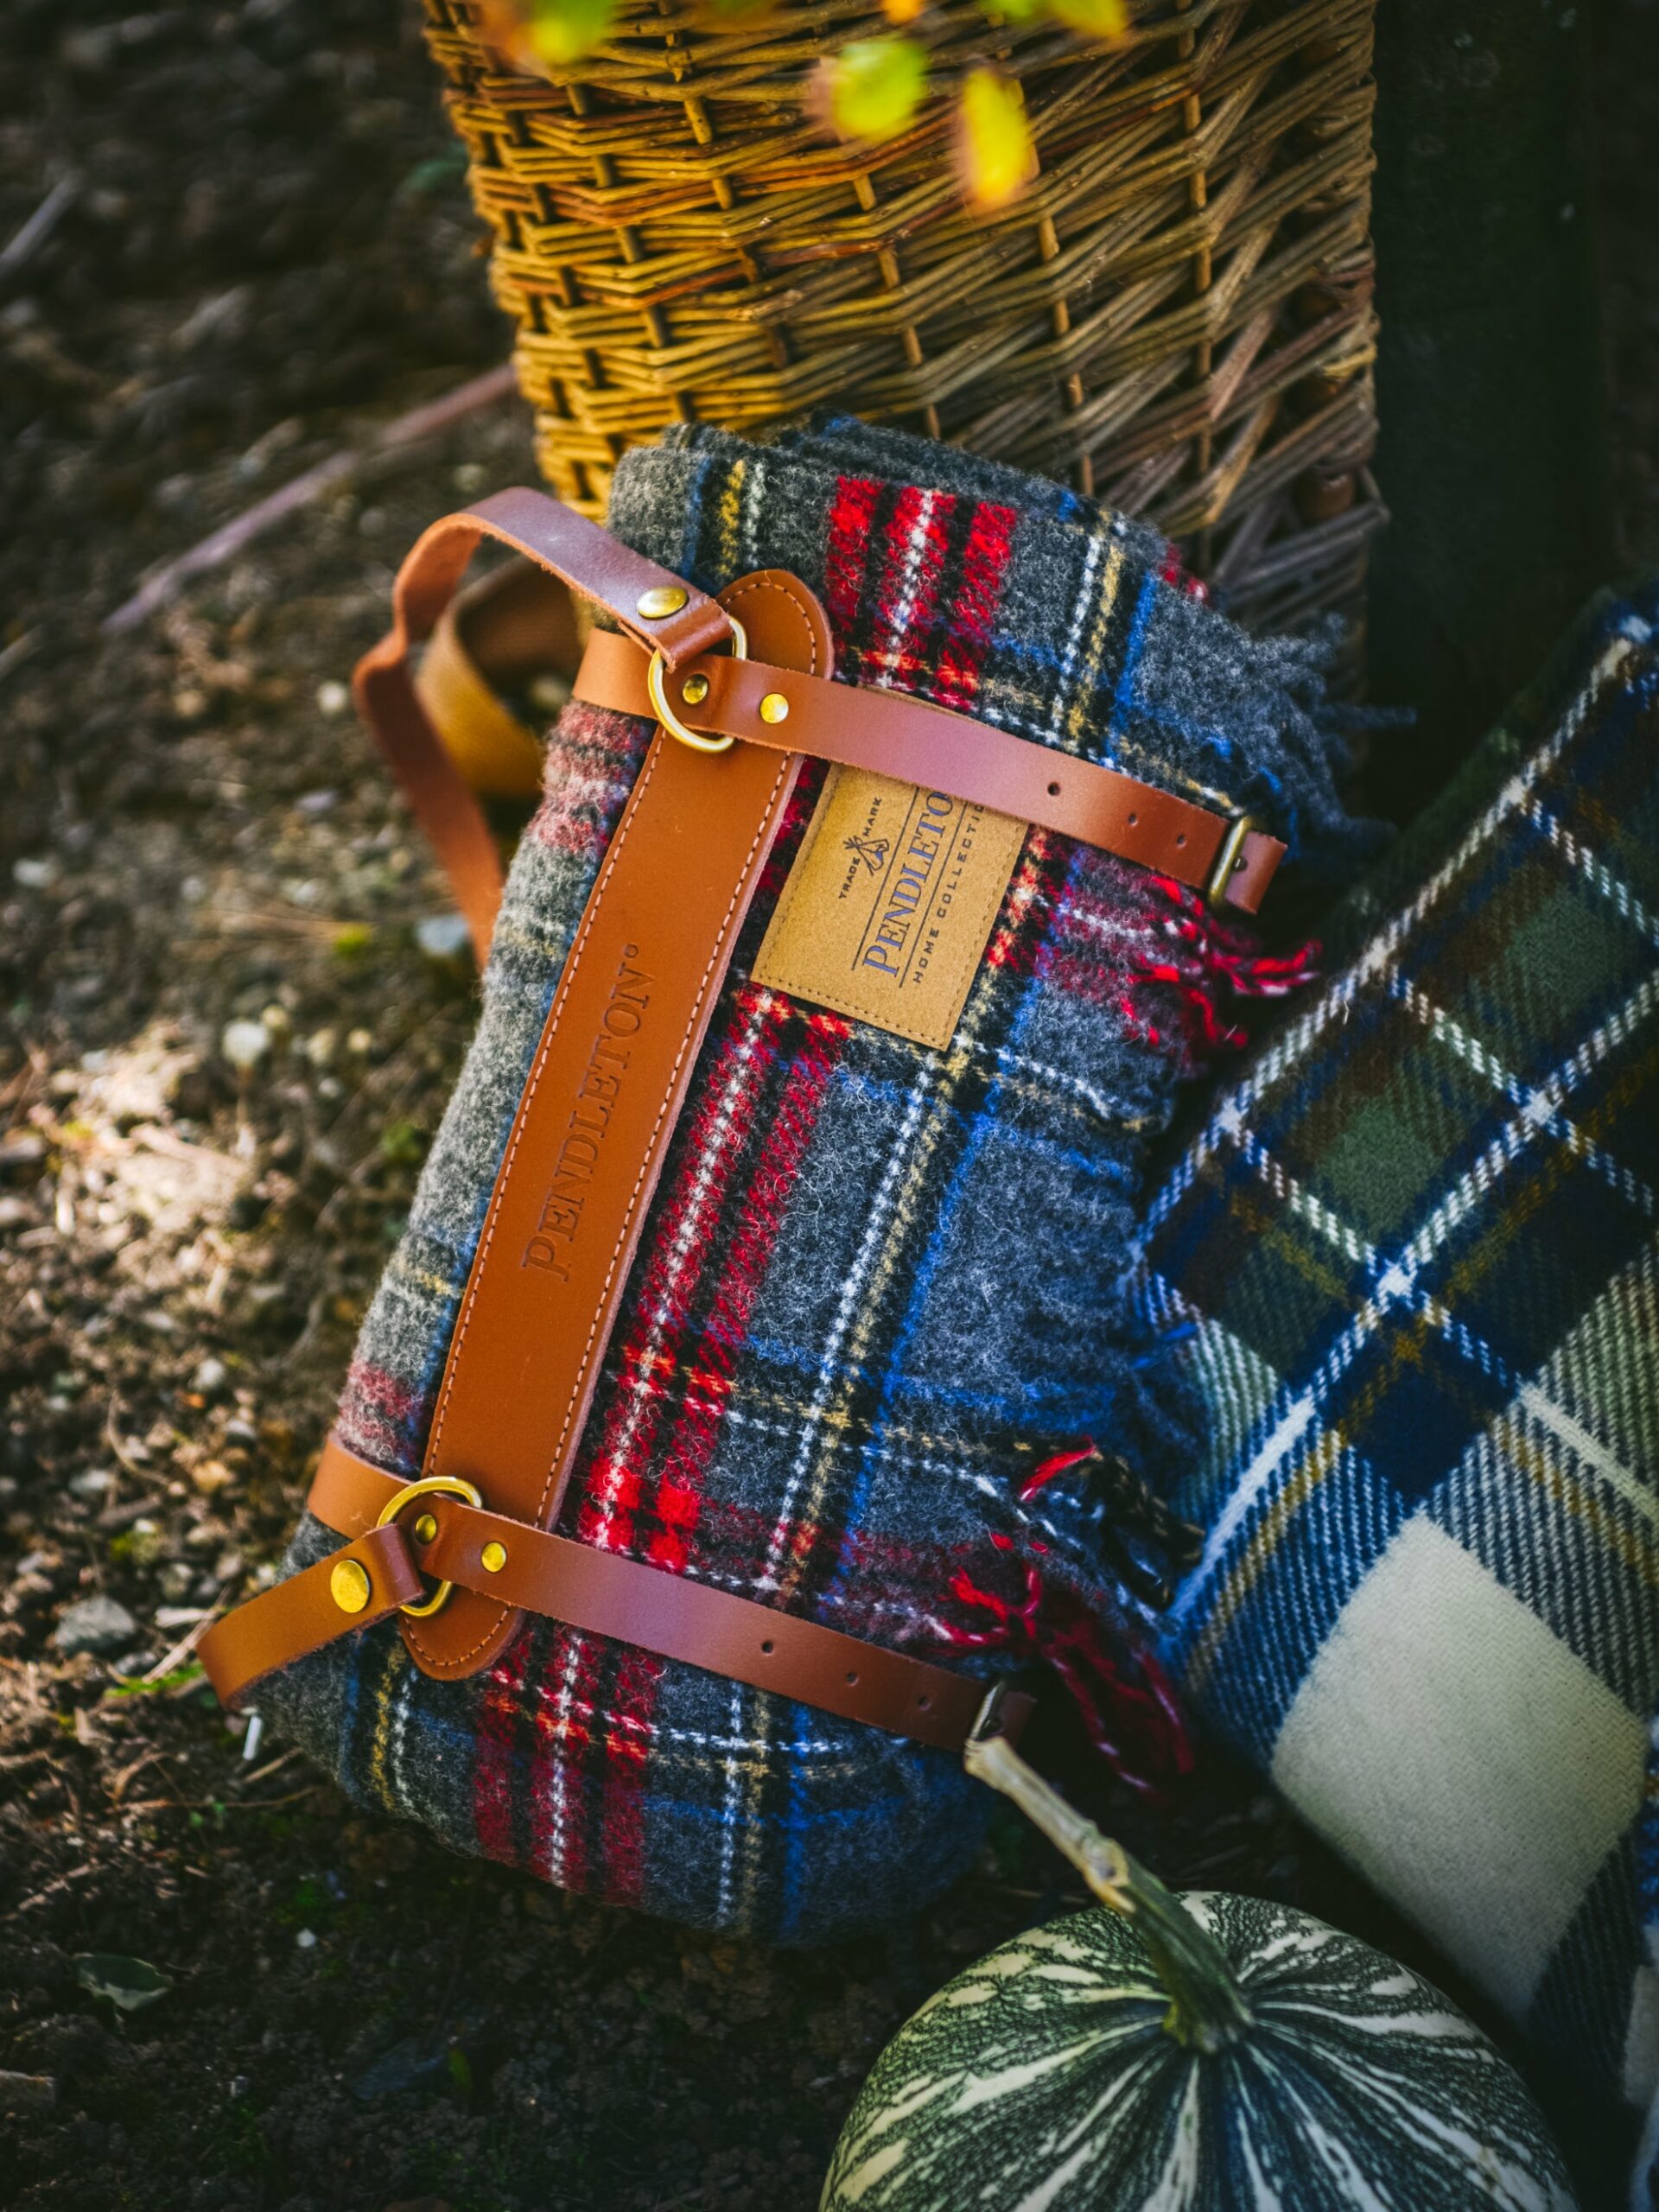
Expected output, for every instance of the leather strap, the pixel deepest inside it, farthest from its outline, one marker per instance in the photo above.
(520, 621)
(596, 1591)
(605, 1089)
(598, 1110)
(293, 1618)
(519, 624)
(916, 743)
(580, 555)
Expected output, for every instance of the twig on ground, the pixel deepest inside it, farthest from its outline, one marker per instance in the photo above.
(14, 654)
(469, 398)
(21, 247)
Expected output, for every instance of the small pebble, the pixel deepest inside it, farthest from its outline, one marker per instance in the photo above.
(35, 875)
(445, 944)
(21, 1153)
(306, 1940)
(332, 699)
(244, 1044)
(90, 1485)
(321, 1046)
(358, 1041)
(210, 1377)
(317, 802)
(96, 1624)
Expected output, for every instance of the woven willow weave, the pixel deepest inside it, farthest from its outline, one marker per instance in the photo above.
(1177, 317)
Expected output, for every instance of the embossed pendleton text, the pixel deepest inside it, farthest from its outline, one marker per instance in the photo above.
(600, 1086)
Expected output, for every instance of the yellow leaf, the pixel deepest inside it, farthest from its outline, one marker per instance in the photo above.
(903, 11)
(1095, 18)
(873, 88)
(992, 141)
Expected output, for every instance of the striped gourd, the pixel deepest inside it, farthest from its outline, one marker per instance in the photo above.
(1211, 2054)
(1052, 2077)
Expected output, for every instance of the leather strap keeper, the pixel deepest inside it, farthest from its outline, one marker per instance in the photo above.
(597, 1591)
(298, 1617)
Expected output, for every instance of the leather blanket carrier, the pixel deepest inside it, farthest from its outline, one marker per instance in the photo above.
(740, 690)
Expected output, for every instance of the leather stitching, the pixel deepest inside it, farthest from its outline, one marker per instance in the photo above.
(411, 1632)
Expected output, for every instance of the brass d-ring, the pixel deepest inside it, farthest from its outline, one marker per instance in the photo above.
(665, 713)
(449, 1486)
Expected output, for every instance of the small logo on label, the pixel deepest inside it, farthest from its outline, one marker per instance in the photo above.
(873, 851)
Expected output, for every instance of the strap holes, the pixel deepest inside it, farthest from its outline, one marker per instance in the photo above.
(923, 1702)
(852, 1674)
(1053, 791)
(1133, 819)
(1181, 839)
(768, 1647)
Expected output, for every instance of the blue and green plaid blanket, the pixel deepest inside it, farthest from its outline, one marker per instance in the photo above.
(1412, 1257)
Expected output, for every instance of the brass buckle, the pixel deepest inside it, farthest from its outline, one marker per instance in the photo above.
(665, 713)
(1214, 885)
(449, 1486)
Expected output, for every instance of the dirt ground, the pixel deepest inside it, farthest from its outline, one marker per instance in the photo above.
(224, 1053)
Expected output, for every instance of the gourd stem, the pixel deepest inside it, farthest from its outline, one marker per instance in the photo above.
(1207, 2010)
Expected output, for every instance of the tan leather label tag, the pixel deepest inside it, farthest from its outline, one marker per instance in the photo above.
(889, 903)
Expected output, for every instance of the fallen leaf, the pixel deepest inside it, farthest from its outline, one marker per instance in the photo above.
(130, 1984)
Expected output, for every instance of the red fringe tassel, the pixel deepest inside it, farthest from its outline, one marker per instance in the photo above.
(1132, 1718)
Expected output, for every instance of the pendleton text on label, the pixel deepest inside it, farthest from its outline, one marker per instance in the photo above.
(889, 903)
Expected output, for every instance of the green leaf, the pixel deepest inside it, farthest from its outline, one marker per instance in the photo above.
(555, 33)
(352, 940)
(403, 1143)
(874, 86)
(175, 1679)
(994, 147)
(1095, 18)
(130, 1984)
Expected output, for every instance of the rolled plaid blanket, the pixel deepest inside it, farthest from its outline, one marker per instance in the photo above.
(876, 1364)
(1413, 1265)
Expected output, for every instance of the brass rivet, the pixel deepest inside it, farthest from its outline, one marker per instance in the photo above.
(662, 599)
(426, 1527)
(494, 1557)
(694, 690)
(348, 1586)
(774, 708)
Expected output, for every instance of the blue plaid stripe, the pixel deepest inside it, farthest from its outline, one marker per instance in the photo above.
(1412, 1266)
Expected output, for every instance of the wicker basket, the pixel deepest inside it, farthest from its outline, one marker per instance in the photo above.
(1176, 316)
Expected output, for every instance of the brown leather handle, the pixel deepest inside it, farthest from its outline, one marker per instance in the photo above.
(597, 1591)
(582, 556)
